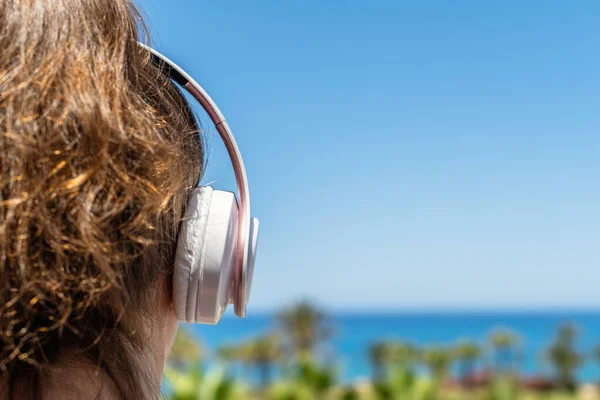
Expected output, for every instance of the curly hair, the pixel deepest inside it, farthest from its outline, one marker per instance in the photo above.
(98, 151)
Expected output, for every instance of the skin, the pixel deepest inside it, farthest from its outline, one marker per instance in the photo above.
(79, 379)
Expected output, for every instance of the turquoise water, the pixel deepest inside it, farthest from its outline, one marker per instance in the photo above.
(354, 333)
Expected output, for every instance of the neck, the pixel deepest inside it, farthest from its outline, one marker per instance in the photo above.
(130, 373)
(79, 379)
(72, 379)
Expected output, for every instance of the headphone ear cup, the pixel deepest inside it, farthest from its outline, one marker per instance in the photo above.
(205, 256)
(252, 244)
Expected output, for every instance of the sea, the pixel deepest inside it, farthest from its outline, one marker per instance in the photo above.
(355, 331)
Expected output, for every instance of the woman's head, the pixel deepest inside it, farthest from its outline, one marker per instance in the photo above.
(98, 151)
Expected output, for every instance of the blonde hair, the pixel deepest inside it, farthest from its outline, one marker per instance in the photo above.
(97, 153)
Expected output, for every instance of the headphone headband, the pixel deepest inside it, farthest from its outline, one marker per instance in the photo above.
(240, 277)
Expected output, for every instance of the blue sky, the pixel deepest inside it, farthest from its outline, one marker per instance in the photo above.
(407, 155)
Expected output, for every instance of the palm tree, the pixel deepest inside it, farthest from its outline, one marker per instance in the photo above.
(186, 350)
(381, 355)
(504, 343)
(228, 354)
(438, 361)
(404, 355)
(262, 353)
(563, 356)
(393, 364)
(467, 353)
(305, 325)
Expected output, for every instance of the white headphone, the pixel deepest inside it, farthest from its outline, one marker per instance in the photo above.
(216, 247)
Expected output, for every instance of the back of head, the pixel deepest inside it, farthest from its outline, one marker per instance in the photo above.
(97, 153)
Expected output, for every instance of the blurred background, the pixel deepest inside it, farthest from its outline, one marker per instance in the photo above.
(426, 176)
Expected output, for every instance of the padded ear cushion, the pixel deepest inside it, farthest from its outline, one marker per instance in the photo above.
(205, 255)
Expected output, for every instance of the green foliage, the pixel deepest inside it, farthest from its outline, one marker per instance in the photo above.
(309, 380)
(350, 393)
(291, 391)
(501, 389)
(563, 356)
(261, 353)
(438, 361)
(504, 343)
(381, 356)
(186, 350)
(311, 374)
(395, 363)
(467, 352)
(228, 353)
(306, 325)
(388, 355)
(193, 384)
(503, 338)
(403, 384)
(405, 355)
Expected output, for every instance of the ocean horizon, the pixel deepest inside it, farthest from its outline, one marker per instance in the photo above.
(356, 330)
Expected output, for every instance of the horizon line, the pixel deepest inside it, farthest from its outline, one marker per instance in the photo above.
(444, 310)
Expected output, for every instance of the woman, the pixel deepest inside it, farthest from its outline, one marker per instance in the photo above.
(98, 153)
